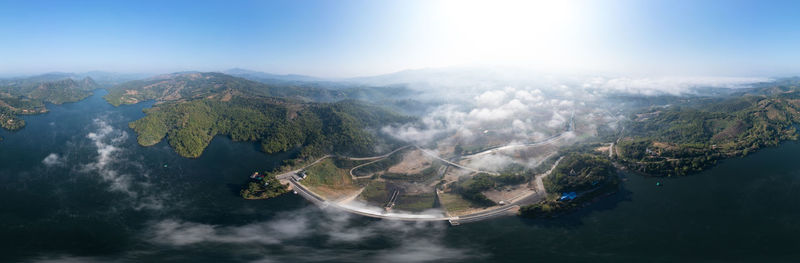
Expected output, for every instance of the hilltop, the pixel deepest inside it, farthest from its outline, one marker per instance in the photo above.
(193, 107)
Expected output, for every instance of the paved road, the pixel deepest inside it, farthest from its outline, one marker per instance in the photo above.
(305, 193)
(374, 157)
(424, 151)
(314, 198)
(548, 140)
(452, 163)
(506, 147)
(611, 150)
(489, 213)
(359, 166)
(539, 183)
(482, 215)
(486, 214)
(287, 175)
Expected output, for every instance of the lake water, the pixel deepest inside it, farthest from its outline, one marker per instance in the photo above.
(74, 185)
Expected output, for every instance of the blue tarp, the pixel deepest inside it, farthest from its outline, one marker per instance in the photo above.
(568, 196)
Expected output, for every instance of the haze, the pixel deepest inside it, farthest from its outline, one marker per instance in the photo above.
(357, 38)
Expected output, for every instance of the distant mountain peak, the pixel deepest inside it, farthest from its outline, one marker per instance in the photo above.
(259, 76)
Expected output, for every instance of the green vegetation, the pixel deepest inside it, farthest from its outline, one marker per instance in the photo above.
(424, 175)
(29, 95)
(346, 163)
(580, 172)
(198, 106)
(681, 140)
(378, 193)
(589, 175)
(454, 204)
(326, 173)
(267, 187)
(415, 202)
(470, 189)
(183, 86)
(375, 193)
(381, 165)
(195, 85)
(279, 125)
(9, 121)
(508, 179)
(552, 207)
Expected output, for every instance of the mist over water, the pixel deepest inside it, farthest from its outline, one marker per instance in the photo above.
(77, 187)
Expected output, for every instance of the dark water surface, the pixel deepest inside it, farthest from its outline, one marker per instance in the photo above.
(74, 185)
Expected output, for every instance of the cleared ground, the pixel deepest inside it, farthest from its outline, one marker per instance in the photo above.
(329, 180)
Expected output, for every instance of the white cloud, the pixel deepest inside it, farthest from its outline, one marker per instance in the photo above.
(105, 140)
(414, 241)
(53, 159)
(667, 85)
(180, 233)
(491, 162)
(557, 120)
(491, 98)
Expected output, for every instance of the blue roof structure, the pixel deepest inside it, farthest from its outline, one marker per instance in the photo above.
(568, 196)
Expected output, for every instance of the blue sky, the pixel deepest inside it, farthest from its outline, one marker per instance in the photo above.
(356, 38)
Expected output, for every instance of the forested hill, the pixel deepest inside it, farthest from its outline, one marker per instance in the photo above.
(193, 85)
(678, 140)
(194, 107)
(28, 95)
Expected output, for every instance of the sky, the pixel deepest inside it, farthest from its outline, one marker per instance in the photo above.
(360, 38)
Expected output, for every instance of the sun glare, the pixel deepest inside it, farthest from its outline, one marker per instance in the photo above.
(540, 32)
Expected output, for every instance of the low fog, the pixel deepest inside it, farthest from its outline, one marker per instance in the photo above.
(504, 107)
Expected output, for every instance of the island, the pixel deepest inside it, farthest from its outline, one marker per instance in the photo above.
(263, 186)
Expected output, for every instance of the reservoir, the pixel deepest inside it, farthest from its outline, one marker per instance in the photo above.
(75, 185)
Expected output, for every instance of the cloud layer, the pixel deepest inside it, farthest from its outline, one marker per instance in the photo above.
(340, 233)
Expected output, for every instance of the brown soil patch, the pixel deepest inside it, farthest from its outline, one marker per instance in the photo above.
(413, 162)
(227, 97)
(601, 149)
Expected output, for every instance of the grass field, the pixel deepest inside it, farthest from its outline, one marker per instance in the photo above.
(415, 203)
(347, 164)
(326, 173)
(455, 205)
(375, 193)
(380, 165)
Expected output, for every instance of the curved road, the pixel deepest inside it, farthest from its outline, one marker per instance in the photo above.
(489, 213)
(452, 163)
(548, 140)
(486, 214)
